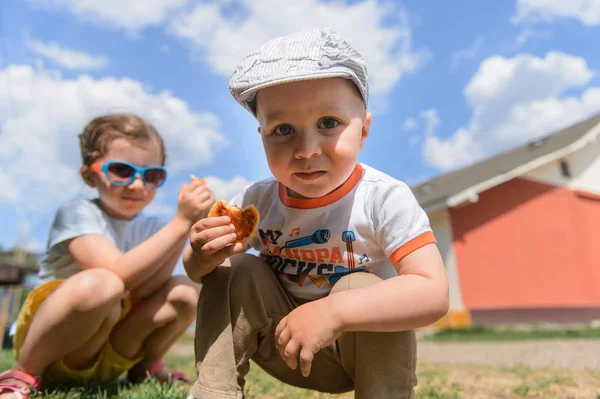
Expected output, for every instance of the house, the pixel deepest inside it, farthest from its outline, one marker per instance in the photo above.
(15, 267)
(520, 232)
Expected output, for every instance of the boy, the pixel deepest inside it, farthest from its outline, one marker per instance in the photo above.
(348, 264)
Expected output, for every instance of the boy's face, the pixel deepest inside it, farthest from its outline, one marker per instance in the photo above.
(312, 132)
(124, 202)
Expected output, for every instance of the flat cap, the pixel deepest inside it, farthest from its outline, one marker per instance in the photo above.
(310, 54)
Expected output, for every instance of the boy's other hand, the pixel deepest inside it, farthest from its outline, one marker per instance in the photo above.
(212, 240)
(305, 331)
(195, 200)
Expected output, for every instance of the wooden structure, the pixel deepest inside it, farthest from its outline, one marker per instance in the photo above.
(15, 267)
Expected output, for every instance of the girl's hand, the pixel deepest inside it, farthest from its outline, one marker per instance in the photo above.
(195, 200)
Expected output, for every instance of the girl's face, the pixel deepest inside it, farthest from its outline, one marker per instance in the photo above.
(124, 202)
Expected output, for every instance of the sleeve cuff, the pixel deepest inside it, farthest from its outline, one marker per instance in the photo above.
(411, 246)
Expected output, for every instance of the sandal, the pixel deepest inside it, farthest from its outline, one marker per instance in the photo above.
(19, 383)
(136, 376)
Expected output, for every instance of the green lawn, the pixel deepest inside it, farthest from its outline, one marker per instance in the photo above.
(259, 385)
(435, 382)
(150, 390)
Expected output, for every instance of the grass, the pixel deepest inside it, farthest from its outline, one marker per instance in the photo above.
(435, 382)
(484, 333)
(114, 390)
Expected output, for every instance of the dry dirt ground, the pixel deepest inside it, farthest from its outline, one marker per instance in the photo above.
(571, 354)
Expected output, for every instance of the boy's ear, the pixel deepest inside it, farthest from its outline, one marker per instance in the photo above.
(258, 130)
(86, 175)
(366, 127)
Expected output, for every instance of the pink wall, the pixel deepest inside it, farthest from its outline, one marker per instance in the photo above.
(526, 244)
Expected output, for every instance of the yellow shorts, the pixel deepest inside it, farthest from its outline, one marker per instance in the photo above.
(109, 364)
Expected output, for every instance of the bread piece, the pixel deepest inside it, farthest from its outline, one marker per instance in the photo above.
(245, 220)
(203, 181)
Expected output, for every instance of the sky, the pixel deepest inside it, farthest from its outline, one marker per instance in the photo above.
(452, 82)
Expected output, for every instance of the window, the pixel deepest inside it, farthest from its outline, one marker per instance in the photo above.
(564, 169)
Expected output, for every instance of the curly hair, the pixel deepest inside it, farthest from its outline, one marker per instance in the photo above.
(103, 130)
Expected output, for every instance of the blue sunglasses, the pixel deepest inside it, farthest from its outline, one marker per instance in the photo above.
(121, 173)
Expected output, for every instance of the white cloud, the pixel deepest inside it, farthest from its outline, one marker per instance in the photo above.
(9, 192)
(66, 57)
(514, 100)
(501, 85)
(42, 114)
(130, 15)
(526, 35)
(226, 189)
(549, 114)
(517, 99)
(467, 53)
(24, 238)
(35, 246)
(224, 39)
(447, 154)
(586, 11)
(409, 124)
(432, 120)
(459, 150)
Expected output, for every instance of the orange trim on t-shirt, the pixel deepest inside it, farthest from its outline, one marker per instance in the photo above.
(411, 246)
(311, 203)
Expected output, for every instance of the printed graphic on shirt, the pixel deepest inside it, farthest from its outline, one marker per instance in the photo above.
(324, 263)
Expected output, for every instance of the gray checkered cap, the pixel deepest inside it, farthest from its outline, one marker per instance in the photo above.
(310, 54)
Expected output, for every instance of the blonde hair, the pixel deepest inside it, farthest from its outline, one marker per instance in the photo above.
(96, 137)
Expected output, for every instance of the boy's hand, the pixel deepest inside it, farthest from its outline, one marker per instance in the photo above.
(212, 240)
(195, 200)
(305, 331)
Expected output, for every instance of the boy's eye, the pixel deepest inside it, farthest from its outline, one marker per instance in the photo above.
(283, 130)
(328, 123)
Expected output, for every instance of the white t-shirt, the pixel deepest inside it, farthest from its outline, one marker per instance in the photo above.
(81, 217)
(367, 225)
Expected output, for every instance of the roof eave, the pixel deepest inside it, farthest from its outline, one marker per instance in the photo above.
(468, 194)
(434, 206)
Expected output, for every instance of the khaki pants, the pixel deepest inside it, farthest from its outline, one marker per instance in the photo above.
(241, 304)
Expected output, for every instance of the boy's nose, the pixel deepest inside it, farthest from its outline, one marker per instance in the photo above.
(307, 146)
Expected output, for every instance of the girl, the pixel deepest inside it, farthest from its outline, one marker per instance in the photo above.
(107, 301)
